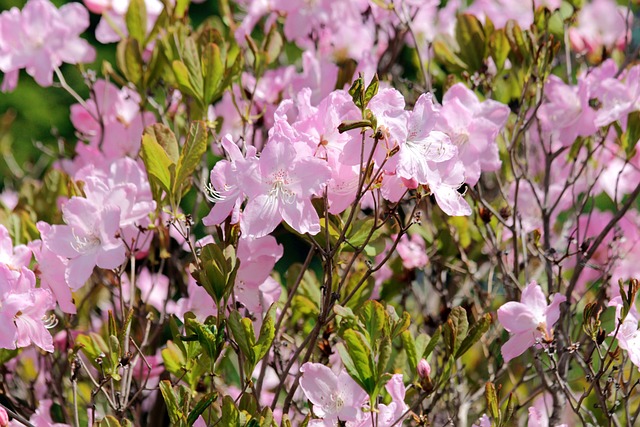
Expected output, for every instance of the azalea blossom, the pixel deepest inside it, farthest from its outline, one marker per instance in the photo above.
(281, 187)
(39, 38)
(334, 397)
(22, 309)
(529, 321)
(225, 189)
(87, 239)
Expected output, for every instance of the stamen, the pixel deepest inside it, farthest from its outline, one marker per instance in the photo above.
(50, 321)
(212, 194)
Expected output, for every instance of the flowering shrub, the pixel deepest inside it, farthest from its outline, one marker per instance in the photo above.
(294, 213)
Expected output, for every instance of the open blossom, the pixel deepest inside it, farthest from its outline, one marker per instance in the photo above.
(87, 239)
(225, 189)
(473, 127)
(412, 251)
(334, 397)
(50, 269)
(567, 113)
(14, 257)
(280, 188)
(111, 120)
(628, 335)
(529, 321)
(601, 23)
(40, 38)
(22, 308)
(114, 12)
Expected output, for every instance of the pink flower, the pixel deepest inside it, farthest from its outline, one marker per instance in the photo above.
(88, 239)
(4, 417)
(51, 269)
(114, 12)
(412, 251)
(40, 38)
(14, 257)
(255, 288)
(22, 308)
(529, 320)
(601, 23)
(424, 369)
(334, 397)
(225, 189)
(112, 120)
(484, 421)
(424, 145)
(42, 416)
(473, 127)
(567, 112)
(501, 11)
(393, 412)
(281, 187)
(628, 335)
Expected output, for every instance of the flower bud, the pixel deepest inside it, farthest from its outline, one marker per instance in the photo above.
(4, 418)
(424, 370)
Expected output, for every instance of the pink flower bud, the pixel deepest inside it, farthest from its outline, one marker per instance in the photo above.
(4, 418)
(97, 6)
(424, 370)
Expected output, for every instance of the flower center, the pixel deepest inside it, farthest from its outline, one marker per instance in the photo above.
(460, 138)
(279, 189)
(85, 243)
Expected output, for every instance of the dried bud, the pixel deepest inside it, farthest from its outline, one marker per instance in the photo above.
(601, 336)
(485, 214)
(505, 212)
(4, 418)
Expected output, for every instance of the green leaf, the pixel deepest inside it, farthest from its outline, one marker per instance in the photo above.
(360, 353)
(181, 8)
(475, 333)
(182, 77)
(516, 37)
(109, 421)
(372, 90)
(213, 72)
(401, 325)
(273, 45)
(374, 318)
(239, 334)
(209, 337)
(631, 137)
(511, 408)
(357, 92)
(471, 39)
(267, 333)
(173, 358)
(172, 401)
(157, 162)
(384, 355)
(167, 140)
(129, 60)
(409, 345)
(455, 329)
(445, 56)
(492, 401)
(359, 234)
(230, 415)
(136, 20)
(432, 342)
(201, 406)
(192, 152)
(499, 47)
